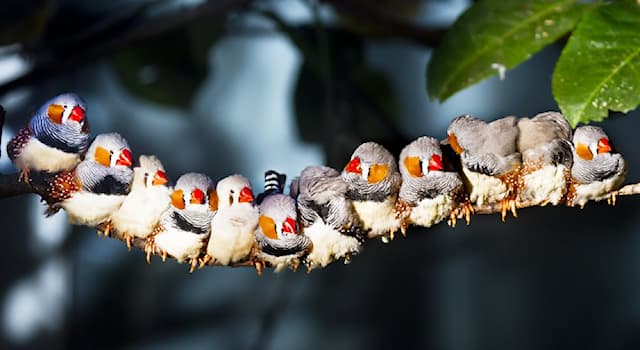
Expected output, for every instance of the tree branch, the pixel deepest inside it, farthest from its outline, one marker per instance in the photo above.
(387, 26)
(97, 48)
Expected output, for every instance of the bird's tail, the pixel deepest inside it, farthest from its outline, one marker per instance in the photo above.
(274, 183)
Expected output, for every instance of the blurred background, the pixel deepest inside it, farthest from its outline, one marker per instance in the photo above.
(241, 86)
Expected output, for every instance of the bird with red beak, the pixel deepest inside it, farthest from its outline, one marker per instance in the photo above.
(373, 183)
(233, 227)
(597, 169)
(97, 187)
(429, 193)
(185, 227)
(140, 212)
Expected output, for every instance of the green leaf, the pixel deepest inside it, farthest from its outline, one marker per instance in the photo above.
(496, 33)
(599, 69)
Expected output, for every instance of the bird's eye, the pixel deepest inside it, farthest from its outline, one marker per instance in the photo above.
(65, 106)
(111, 152)
(146, 177)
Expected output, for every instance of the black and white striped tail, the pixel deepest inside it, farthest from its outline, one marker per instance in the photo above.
(274, 183)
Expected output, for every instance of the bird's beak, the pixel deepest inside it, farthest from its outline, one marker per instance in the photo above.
(453, 142)
(377, 173)
(246, 195)
(77, 114)
(604, 146)
(412, 164)
(289, 225)
(583, 151)
(268, 226)
(354, 166)
(177, 199)
(125, 158)
(160, 178)
(197, 196)
(435, 163)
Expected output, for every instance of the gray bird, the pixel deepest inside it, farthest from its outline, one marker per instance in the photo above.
(96, 188)
(186, 225)
(490, 159)
(596, 169)
(327, 216)
(279, 242)
(373, 183)
(545, 145)
(429, 193)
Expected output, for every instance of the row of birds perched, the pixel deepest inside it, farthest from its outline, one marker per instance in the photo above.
(506, 164)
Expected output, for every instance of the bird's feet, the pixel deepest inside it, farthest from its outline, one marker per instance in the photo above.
(149, 247)
(295, 264)
(128, 239)
(205, 260)
(259, 265)
(506, 205)
(193, 263)
(611, 200)
(24, 175)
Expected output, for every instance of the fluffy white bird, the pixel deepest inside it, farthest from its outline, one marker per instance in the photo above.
(597, 169)
(327, 216)
(148, 199)
(233, 227)
(185, 227)
(373, 183)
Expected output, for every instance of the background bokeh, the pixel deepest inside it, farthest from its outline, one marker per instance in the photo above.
(228, 86)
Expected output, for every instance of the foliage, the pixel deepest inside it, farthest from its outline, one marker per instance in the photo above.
(605, 44)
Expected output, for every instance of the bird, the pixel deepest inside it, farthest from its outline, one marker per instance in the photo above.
(149, 197)
(96, 188)
(545, 146)
(327, 216)
(278, 240)
(186, 225)
(55, 138)
(373, 183)
(597, 169)
(233, 227)
(490, 159)
(429, 193)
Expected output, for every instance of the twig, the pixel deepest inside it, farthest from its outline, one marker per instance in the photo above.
(387, 26)
(143, 31)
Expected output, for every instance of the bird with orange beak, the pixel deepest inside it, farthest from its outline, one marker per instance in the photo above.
(55, 139)
(186, 225)
(149, 198)
(373, 183)
(327, 216)
(233, 227)
(429, 193)
(490, 159)
(279, 242)
(97, 187)
(597, 169)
